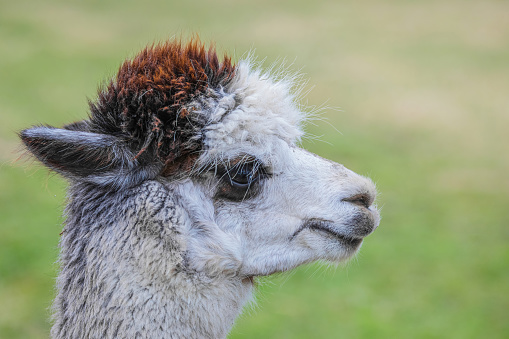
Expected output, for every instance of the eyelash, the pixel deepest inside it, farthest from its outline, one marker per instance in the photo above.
(238, 180)
(244, 174)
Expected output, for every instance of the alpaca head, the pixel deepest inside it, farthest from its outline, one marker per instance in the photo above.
(222, 138)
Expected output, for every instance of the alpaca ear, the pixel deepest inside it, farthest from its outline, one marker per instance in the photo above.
(83, 156)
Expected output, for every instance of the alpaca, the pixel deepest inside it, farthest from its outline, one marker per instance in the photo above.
(186, 183)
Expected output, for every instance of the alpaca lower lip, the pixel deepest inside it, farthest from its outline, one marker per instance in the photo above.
(354, 242)
(328, 228)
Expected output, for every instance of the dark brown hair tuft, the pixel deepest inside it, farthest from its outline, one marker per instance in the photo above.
(147, 102)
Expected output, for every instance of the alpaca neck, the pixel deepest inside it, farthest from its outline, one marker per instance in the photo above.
(123, 272)
(183, 308)
(125, 304)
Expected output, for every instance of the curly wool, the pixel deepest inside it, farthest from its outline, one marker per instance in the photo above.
(150, 101)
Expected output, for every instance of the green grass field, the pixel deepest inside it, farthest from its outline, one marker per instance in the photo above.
(422, 96)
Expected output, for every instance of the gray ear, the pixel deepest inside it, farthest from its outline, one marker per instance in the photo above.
(83, 156)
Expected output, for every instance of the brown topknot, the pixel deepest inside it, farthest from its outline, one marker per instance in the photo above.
(146, 104)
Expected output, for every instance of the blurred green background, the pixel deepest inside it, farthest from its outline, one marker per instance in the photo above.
(422, 89)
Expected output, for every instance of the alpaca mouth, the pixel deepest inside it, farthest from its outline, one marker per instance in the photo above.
(326, 227)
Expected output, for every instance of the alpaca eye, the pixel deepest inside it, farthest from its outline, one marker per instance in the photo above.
(238, 181)
(244, 175)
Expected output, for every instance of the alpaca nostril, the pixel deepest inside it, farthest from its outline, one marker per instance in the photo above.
(362, 199)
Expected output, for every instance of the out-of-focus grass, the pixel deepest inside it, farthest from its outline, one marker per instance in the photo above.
(422, 88)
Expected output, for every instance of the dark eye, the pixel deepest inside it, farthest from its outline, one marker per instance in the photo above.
(238, 179)
(242, 175)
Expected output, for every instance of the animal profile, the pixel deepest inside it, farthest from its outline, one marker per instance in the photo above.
(186, 183)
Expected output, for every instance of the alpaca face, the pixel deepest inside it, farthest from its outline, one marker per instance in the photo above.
(276, 205)
(305, 210)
